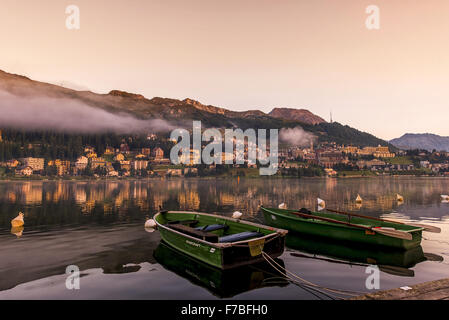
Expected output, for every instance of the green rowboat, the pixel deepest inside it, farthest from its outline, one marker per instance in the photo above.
(359, 230)
(217, 240)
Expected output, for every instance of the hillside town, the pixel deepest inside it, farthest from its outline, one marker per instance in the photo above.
(326, 159)
(343, 160)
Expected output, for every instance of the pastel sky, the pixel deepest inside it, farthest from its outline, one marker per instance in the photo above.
(247, 54)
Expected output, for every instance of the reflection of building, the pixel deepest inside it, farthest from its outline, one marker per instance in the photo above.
(11, 196)
(189, 200)
(80, 195)
(32, 193)
(226, 199)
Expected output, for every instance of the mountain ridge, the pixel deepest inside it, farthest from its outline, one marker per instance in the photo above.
(301, 115)
(181, 112)
(426, 141)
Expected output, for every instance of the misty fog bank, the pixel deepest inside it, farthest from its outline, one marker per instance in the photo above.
(62, 114)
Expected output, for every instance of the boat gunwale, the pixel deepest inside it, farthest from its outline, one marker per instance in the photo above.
(293, 217)
(277, 231)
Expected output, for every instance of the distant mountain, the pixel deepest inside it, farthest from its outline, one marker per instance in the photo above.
(173, 111)
(301, 115)
(426, 141)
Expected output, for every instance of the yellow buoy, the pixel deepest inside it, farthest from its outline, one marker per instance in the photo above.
(18, 221)
(358, 199)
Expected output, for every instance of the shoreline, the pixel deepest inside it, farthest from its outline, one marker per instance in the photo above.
(431, 290)
(224, 177)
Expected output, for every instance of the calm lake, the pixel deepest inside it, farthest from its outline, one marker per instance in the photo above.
(99, 227)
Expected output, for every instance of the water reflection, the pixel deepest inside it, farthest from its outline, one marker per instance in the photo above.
(397, 262)
(64, 202)
(223, 284)
(17, 231)
(98, 226)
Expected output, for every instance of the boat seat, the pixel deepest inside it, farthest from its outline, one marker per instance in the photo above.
(203, 235)
(212, 227)
(240, 236)
(185, 222)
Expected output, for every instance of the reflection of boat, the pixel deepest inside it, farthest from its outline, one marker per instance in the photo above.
(391, 261)
(346, 228)
(219, 241)
(119, 268)
(222, 283)
(18, 231)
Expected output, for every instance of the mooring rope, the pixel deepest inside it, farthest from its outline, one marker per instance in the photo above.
(301, 285)
(282, 270)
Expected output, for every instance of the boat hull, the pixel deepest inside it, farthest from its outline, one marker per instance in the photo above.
(221, 255)
(281, 219)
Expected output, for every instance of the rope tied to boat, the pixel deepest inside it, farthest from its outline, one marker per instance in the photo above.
(301, 281)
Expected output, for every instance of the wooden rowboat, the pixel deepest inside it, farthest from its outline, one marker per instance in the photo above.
(345, 228)
(217, 240)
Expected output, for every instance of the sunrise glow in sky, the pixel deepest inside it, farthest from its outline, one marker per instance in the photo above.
(247, 54)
